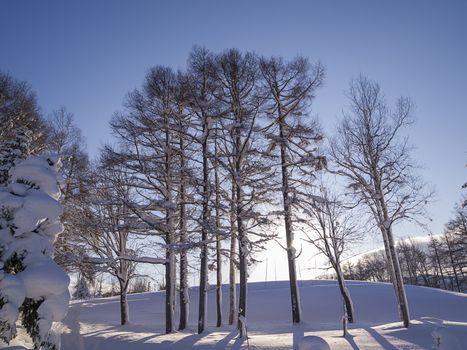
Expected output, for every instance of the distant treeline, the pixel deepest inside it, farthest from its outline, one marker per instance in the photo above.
(440, 262)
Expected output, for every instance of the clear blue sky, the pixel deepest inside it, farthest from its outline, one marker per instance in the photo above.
(87, 55)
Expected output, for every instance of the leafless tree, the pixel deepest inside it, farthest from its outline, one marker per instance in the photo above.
(184, 154)
(237, 91)
(65, 139)
(330, 226)
(108, 236)
(288, 89)
(148, 152)
(202, 106)
(372, 154)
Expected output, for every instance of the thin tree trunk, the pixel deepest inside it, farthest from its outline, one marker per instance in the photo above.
(403, 305)
(438, 262)
(218, 244)
(345, 294)
(169, 240)
(390, 265)
(412, 275)
(288, 232)
(232, 267)
(184, 297)
(174, 291)
(391, 254)
(241, 234)
(123, 276)
(169, 286)
(203, 285)
(242, 253)
(452, 262)
(242, 249)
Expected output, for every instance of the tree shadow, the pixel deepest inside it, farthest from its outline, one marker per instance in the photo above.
(421, 333)
(298, 334)
(190, 341)
(350, 339)
(238, 343)
(385, 344)
(222, 344)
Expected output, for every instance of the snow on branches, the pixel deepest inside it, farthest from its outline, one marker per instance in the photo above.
(31, 283)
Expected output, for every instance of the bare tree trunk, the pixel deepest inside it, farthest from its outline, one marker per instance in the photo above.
(390, 248)
(122, 276)
(345, 294)
(169, 240)
(399, 285)
(124, 314)
(232, 267)
(174, 274)
(184, 297)
(453, 265)
(390, 265)
(412, 275)
(288, 233)
(242, 253)
(169, 286)
(426, 274)
(203, 285)
(439, 265)
(218, 244)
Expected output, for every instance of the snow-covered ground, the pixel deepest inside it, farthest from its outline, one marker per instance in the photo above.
(94, 324)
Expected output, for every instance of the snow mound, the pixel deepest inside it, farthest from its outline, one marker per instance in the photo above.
(313, 343)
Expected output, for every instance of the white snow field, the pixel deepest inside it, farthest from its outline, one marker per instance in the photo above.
(94, 324)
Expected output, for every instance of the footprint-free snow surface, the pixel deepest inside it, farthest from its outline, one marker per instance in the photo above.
(439, 320)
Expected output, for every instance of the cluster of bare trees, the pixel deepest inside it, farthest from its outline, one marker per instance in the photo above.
(440, 262)
(208, 159)
(204, 160)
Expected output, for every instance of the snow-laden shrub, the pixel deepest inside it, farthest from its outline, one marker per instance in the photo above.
(31, 283)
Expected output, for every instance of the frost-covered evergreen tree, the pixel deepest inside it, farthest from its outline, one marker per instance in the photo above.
(32, 284)
(12, 150)
(82, 290)
(19, 114)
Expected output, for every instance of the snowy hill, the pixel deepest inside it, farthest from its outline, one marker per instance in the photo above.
(93, 325)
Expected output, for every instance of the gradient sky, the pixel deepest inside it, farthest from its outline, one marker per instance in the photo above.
(87, 55)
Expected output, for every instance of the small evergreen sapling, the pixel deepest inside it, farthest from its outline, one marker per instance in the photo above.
(82, 290)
